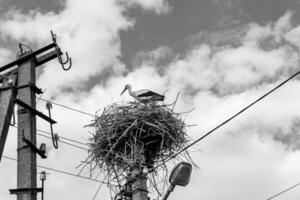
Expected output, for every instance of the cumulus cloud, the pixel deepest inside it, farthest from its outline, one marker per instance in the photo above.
(220, 76)
(159, 6)
(76, 24)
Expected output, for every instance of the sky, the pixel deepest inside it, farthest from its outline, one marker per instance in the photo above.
(220, 54)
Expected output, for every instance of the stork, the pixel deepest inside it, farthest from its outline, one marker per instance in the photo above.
(143, 96)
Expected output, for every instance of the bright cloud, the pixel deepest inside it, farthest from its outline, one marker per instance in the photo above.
(159, 6)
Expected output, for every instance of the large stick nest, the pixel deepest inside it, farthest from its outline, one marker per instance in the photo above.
(121, 128)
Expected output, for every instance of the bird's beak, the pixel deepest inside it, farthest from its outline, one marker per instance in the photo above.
(123, 91)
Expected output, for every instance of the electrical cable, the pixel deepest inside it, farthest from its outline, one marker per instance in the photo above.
(284, 191)
(68, 107)
(98, 189)
(71, 140)
(68, 139)
(63, 172)
(228, 120)
(65, 138)
(64, 142)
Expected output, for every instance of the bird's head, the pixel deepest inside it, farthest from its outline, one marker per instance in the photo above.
(125, 88)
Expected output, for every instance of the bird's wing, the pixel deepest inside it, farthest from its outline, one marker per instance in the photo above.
(147, 93)
(140, 92)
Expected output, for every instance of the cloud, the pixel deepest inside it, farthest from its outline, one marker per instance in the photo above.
(220, 76)
(76, 24)
(159, 6)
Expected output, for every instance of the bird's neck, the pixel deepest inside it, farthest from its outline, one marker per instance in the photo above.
(129, 89)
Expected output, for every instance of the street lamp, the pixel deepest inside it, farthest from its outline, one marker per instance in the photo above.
(180, 175)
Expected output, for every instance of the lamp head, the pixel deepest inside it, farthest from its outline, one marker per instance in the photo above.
(181, 174)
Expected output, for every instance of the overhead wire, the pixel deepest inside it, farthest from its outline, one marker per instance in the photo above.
(229, 119)
(63, 172)
(68, 139)
(65, 138)
(64, 142)
(282, 192)
(68, 107)
(98, 189)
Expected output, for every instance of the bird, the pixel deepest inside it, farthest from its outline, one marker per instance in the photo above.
(143, 96)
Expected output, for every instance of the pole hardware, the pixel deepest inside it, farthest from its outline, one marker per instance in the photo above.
(40, 59)
(6, 108)
(26, 57)
(41, 151)
(22, 52)
(34, 111)
(180, 175)
(59, 54)
(32, 86)
(54, 136)
(43, 178)
(25, 190)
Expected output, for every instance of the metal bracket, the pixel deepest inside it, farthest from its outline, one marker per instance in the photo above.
(33, 148)
(23, 147)
(25, 190)
(32, 87)
(34, 111)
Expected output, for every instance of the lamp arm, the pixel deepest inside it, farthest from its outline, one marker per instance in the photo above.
(170, 189)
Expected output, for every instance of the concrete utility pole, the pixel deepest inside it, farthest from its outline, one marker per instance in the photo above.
(6, 110)
(139, 184)
(26, 91)
(26, 177)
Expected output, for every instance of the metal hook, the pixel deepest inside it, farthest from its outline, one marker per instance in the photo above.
(59, 54)
(55, 137)
(68, 60)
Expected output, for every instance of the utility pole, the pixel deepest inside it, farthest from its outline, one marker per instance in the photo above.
(24, 94)
(6, 109)
(26, 176)
(139, 180)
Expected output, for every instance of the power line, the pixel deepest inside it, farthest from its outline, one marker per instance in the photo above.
(68, 107)
(284, 191)
(65, 138)
(64, 142)
(229, 119)
(63, 172)
(98, 189)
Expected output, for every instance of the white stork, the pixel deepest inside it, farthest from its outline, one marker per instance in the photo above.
(143, 96)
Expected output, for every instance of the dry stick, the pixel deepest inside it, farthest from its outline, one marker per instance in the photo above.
(117, 177)
(186, 111)
(111, 149)
(175, 100)
(83, 164)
